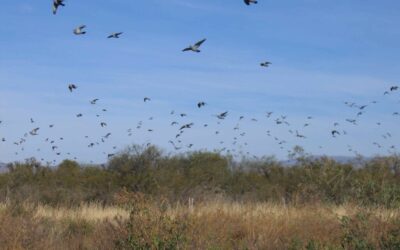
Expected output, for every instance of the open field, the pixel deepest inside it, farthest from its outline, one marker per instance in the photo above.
(213, 225)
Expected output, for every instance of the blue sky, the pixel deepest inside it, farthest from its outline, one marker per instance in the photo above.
(323, 53)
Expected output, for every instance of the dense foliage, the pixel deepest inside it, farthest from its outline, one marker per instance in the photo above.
(205, 175)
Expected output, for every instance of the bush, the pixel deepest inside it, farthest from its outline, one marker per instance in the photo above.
(206, 175)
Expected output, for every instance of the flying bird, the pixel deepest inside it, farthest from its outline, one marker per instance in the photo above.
(79, 30)
(115, 35)
(189, 125)
(265, 64)
(34, 131)
(334, 133)
(146, 99)
(94, 101)
(56, 4)
(195, 47)
(248, 2)
(201, 104)
(71, 87)
(222, 115)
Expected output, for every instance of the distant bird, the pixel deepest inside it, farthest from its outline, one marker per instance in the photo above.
(265, 64)
(352, 121)
(222, 115)
(94, 101)
(248, 2)
(334, 133)
(201, 104)
(189, 125)
(195, 47)
(146, 99)
(71, 87)
(32, 121)
(103, 124)
(115, 35)
(363, 107)
(34, 131)
(79, 30)
(394, 88)
(79, 115)
(299, 135)
(56, 4)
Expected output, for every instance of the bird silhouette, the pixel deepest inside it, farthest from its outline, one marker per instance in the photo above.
(56, 4)
(265, 64)
(223, 115)
(71, 87)
(201, 104)
(79, 30)
(248, 2)
(94, 101)
(195, 47)
(115, 35)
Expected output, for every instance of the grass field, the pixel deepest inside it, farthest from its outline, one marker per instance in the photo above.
(213, 225)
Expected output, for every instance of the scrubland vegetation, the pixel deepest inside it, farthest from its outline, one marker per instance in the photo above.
(144, 199)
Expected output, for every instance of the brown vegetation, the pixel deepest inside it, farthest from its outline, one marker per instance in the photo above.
(213, 225)
(143, 199)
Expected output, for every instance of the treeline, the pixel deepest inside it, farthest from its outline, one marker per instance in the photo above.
(202, 176)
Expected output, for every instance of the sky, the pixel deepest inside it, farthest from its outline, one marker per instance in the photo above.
(323, 54)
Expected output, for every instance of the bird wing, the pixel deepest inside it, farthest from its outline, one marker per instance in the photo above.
(199, 43)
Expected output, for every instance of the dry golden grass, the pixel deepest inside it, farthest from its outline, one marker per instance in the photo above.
(89, 212)
(212, 225)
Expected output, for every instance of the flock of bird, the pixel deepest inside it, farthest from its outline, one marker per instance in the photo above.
(236, 147)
